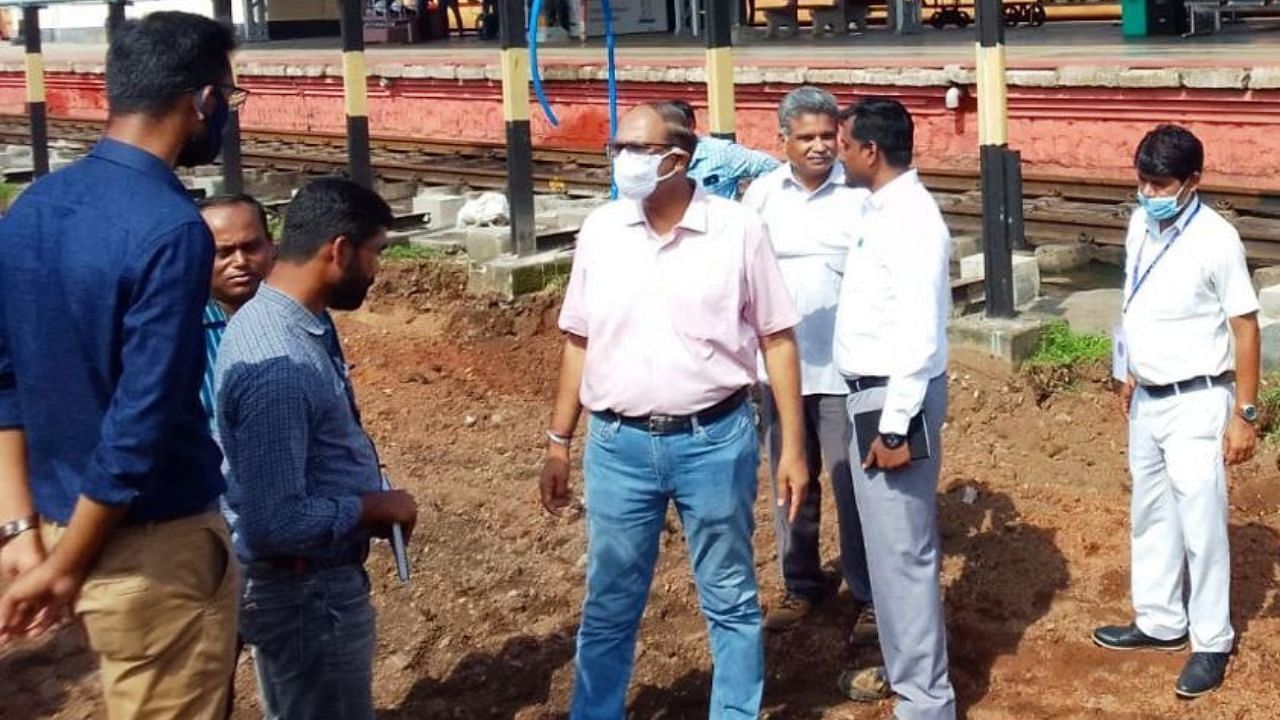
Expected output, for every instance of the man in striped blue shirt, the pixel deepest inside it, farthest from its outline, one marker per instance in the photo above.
(243, 257)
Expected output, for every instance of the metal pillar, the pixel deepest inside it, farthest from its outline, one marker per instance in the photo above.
(720, 68)
(1001, 172)
(356, 91)
(37, 113)
(232, 163)
(515, 110)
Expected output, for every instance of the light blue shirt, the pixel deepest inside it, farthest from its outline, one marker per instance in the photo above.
(718, 165)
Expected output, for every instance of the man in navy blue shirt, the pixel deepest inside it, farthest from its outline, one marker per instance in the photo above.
(104, 273)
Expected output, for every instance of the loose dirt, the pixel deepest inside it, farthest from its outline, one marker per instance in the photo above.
(456, 392)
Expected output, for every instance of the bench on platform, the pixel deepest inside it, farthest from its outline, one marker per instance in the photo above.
(1210, 12)
(828, 15)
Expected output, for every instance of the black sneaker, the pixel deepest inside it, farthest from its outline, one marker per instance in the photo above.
(1129, 637)
(1202, 674)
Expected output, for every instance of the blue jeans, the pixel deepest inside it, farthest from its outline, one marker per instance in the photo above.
(312, 637)
(710, 475)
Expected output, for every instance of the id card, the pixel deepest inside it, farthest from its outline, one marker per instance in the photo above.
(1119, 354)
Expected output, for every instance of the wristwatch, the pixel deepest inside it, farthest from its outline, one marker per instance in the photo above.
(1249, 413)
(893, 441)
(14, 528)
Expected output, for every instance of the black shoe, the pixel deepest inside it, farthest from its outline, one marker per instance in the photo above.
(1129, 637)
(1202, 674)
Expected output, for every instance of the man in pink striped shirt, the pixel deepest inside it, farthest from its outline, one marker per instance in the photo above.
(672, 293)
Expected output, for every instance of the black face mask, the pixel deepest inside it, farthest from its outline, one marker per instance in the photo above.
(207, 144)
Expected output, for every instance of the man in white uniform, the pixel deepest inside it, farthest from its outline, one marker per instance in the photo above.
(1190, 407)
(811, 215)
(891, 346)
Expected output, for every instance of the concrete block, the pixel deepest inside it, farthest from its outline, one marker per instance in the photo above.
(1011, 340)
(1033, 78)
(471, 72)
(210, 185)
(447, 242)
(509, 276)
(1270, 344)
(1109, 254)
(788, 76)
(1090, 76)
(1215, 78)
(1026, 276)
(923, 77)
(963, 246)
(1266, 277)
(560, 72)
(746, 75)
(488, 242)
(439, 208)
(1061, 258)
(1151, 78)
(873, 76)
(828, 76)
(1269, 299)
(1264, 78)
(960, 75)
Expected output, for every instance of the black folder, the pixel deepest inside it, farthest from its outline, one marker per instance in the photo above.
(867, 427)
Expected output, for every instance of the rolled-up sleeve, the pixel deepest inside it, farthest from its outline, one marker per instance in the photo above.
(162, 352)
(264, 418)
(768, 306)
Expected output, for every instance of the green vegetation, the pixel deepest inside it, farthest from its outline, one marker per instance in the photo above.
(1269, 407)
(1060, 347)
(409, 252)
(7, 193)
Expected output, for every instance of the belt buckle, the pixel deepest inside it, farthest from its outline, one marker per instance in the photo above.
(661, 424)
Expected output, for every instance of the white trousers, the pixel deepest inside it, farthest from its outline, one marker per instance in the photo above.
(1179, 516)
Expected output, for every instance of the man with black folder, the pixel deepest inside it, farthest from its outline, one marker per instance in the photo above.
(891, 347)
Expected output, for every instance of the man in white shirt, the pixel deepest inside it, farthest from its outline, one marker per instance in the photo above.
(811, 215)
(1190, 407)
(891, 347)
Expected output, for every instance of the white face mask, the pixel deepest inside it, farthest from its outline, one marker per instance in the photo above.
(636, 174)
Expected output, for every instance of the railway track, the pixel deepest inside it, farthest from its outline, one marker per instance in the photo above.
(1056, 209)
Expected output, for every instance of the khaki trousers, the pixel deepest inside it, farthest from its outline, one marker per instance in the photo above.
(160, 610)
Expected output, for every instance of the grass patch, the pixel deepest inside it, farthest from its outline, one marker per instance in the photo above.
(1269, 407)
(410, 252)
(1061, 347)
(7, 192)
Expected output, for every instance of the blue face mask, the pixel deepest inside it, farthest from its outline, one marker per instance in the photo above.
(1161, 208)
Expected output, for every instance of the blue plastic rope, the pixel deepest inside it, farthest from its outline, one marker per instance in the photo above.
(535, 12)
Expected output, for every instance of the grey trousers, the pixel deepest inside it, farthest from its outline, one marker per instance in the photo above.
(899, 513)
(826, 441)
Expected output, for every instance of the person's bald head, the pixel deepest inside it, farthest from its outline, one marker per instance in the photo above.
(656, 124)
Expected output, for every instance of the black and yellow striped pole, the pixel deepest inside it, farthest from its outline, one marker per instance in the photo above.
(37, 113)
(356, 92)
(232, 162)
(115, 16)
(720, 69)
(515, 110)
(1001, 176)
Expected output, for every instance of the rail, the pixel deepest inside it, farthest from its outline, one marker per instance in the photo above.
(1057, 209)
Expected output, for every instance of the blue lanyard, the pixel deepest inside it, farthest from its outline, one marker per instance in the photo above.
(1138, 261)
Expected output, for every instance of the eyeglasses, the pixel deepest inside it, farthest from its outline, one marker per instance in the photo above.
(235, 95)
(615, 148)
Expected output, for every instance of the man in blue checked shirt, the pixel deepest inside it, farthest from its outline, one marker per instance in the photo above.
(304, 489)
(720, 166)
(242, 258)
